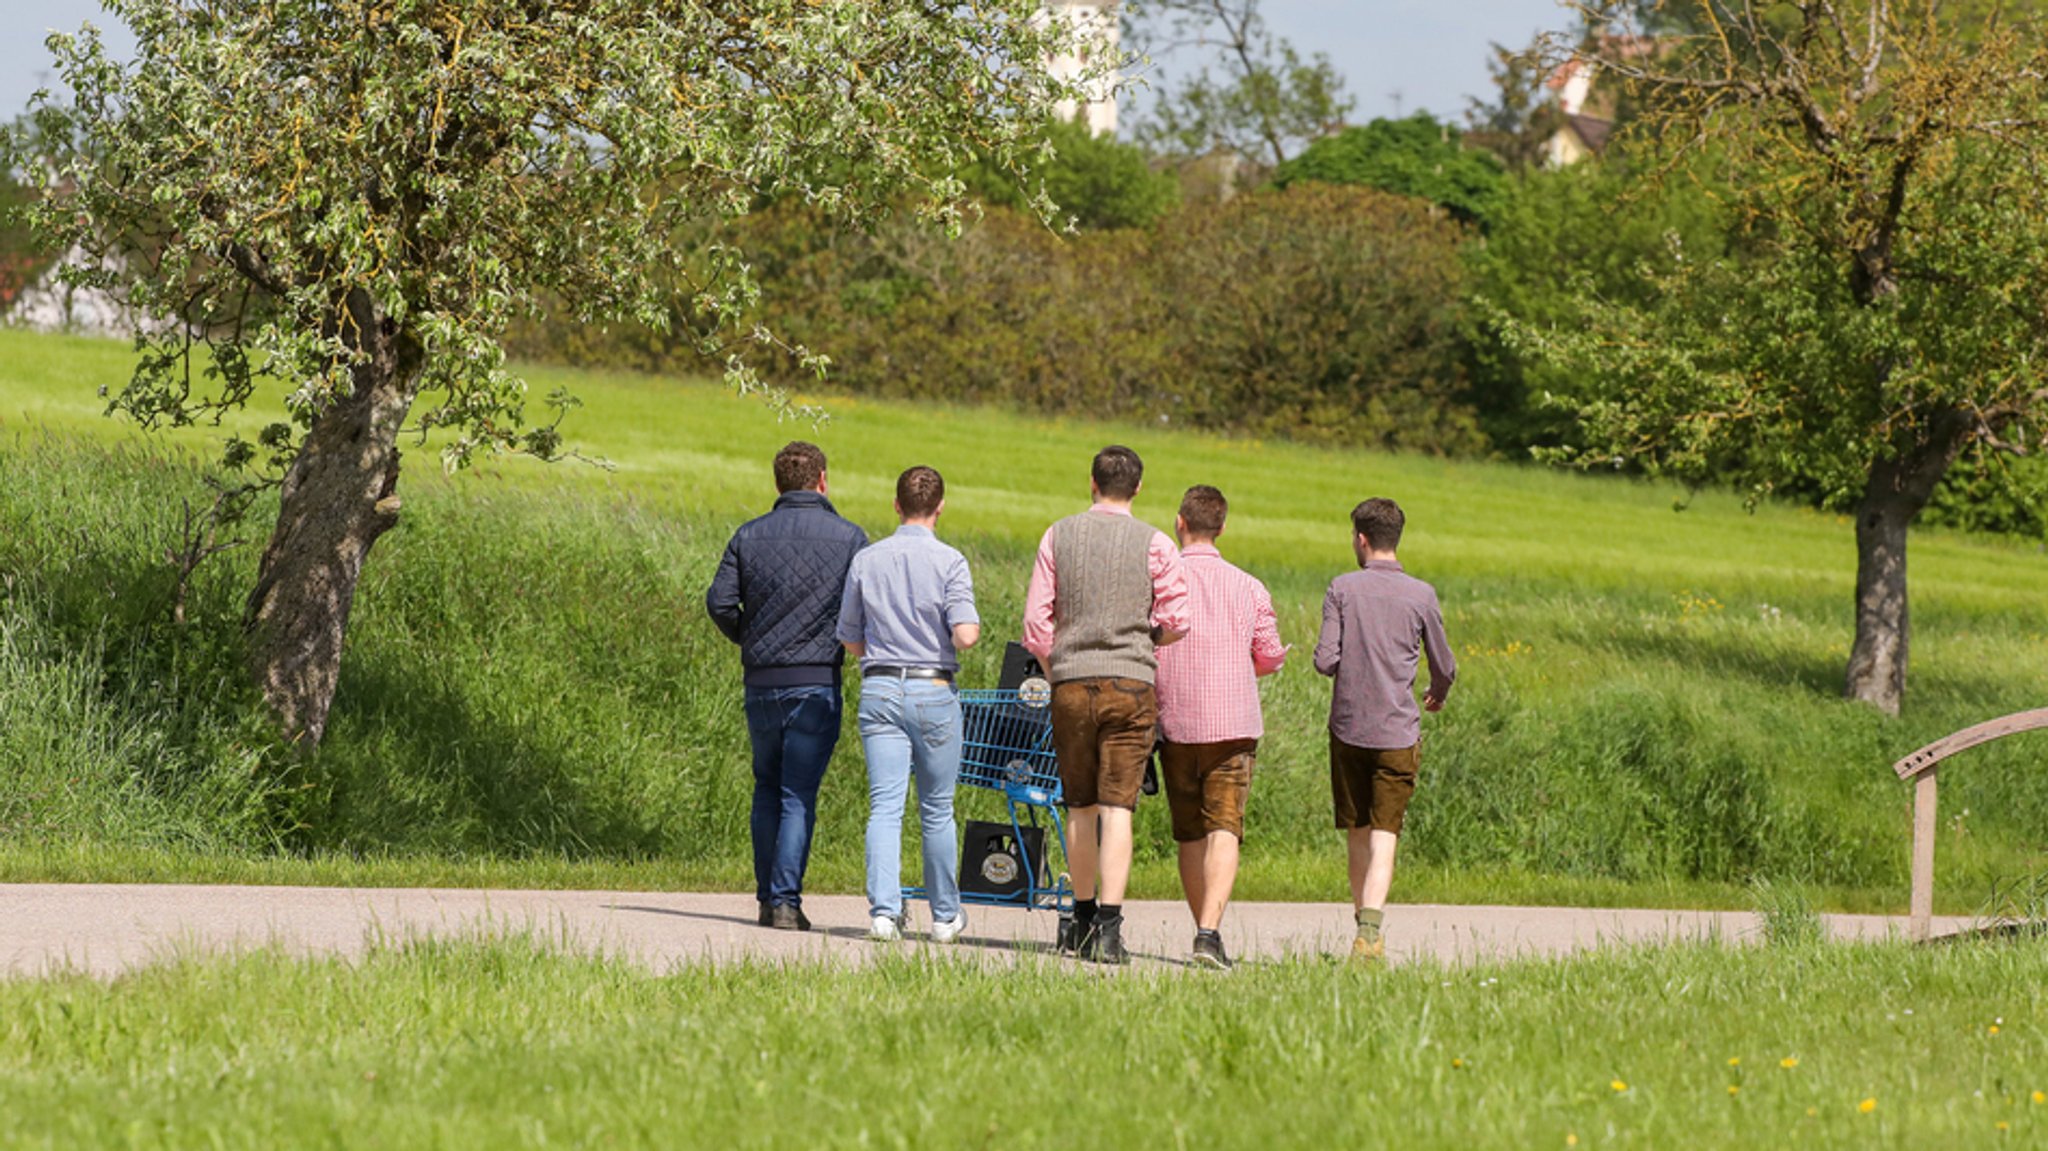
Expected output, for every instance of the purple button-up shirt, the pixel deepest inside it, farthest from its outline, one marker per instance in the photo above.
(1377, 623)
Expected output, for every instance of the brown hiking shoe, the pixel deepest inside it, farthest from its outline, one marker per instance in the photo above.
(1368, 952)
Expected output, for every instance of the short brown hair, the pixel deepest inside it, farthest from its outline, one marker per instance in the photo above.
(919, 491)
(1202, 510)
(1380, 521)
(1117, 472)
(798, 466)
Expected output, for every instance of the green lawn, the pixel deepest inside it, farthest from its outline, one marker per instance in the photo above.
(1647, 711)
(513, 1045)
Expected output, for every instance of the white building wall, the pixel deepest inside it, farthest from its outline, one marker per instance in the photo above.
(1100, 33)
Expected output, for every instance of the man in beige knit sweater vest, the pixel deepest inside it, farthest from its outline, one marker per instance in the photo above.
(1106, 591)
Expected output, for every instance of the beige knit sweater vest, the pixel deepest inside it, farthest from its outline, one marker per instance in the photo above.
(1102, 598)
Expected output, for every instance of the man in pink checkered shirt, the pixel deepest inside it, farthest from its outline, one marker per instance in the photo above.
(1209, 714)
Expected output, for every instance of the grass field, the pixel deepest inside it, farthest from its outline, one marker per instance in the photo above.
(515, 1045)
(1647, 712)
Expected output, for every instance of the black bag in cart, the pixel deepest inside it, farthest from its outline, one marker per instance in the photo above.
(991, 862)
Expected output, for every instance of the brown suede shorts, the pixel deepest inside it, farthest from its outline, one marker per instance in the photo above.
(1206, 785)
(1102, 732)
(1371, 787)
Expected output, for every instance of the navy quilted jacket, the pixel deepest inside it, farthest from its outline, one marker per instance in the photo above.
(778, 587)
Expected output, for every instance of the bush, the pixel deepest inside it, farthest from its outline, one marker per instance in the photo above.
(1412, 157)
(1097, 181)
(1323, 313)
(1319, 312)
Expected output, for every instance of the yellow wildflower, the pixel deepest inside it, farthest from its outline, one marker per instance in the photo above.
(2041, 1096)
(1788, 1063)
(1571, 1140)
(1733, 1089)
(1867, 1106)
(1994, 1029)
(2004, 1126)
(1457, 1063)
(1618, 1085)
(1735, 1061)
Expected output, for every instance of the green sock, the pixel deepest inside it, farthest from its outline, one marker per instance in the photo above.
(1369, 921)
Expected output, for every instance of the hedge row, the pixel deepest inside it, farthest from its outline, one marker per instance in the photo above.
(1315, 312)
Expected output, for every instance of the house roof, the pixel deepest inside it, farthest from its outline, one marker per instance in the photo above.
(1591, 129)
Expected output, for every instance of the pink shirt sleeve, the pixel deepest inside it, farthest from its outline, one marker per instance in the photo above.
(1037, 637)
(1171, 611)
(1268, 653)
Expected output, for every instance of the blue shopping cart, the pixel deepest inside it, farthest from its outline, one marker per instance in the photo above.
(1006, 748)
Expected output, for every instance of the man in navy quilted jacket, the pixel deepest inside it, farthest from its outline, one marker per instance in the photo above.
(777, 595)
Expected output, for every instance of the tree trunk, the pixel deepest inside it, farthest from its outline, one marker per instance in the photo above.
(337, 498)
(1896, 491)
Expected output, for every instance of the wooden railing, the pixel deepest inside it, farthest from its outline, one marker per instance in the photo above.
(1920, 768)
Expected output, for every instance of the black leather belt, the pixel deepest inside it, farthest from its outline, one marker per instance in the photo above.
(887, 672)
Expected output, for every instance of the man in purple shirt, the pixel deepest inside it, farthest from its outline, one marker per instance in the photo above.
(1377, 623)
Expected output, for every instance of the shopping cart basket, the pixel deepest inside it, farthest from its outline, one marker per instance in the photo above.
(1006, 747)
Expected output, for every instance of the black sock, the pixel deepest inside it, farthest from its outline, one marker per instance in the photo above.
(1207, 933)
(1084, 911)
(1109, 912)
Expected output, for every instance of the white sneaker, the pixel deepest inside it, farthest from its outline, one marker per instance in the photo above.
(950, 930)
(885, 929)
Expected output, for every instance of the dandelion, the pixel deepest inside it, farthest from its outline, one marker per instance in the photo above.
(1458, 1064)
(1994, 1029)
(1812, 1111)
(1735, 1061)
(2041, 1096)
(1867, 1106)
(1788, 1062)
(1734, 1090)
(1571, 1140)
(2004, 1126)
(1618, 1085)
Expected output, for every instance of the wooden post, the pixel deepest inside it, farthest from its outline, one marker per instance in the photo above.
(1919, 767)
(1920, 924)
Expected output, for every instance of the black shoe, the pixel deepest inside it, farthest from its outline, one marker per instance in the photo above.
(1067, 940)
(1209, 952)
(788, 917)
(767, 914)
(1105, 943)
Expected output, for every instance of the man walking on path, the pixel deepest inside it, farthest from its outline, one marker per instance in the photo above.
(1376, 624)
(1105, 592)
(909, 606)
(1209, 714)
(777, 595)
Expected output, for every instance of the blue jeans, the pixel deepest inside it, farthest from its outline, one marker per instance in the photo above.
(911, 727)
(794, 730)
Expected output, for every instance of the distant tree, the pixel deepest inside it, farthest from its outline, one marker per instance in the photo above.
(354, 197)
(1094, 181)
(1557, 239)
(1883, 314)
(1415, 156)
(1517, 125)
(1249, 91)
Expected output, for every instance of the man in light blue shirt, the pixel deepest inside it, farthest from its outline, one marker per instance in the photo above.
(909, 605)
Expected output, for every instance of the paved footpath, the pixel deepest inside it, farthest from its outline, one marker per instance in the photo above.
(108, 929)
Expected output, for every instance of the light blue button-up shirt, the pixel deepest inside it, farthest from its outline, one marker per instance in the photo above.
(903, 597)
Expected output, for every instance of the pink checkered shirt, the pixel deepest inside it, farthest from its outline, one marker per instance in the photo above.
(1208, 682)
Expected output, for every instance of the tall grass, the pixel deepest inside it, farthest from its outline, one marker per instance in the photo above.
(1648, 702)
(513, 1044)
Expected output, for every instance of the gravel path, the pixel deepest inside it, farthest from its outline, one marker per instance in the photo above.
(107, 929)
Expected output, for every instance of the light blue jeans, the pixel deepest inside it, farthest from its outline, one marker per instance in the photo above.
(911, 728)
